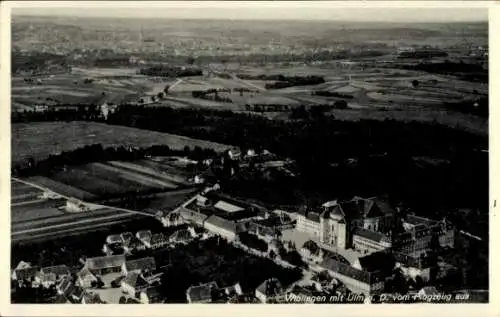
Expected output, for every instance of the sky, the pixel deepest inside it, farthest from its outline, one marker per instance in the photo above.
(345, 11)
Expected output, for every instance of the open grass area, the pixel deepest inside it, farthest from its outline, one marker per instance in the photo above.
(39, 140)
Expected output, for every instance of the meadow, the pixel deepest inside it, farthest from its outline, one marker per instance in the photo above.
(41, 139)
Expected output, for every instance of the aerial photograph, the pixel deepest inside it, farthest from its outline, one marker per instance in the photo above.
(264, 154)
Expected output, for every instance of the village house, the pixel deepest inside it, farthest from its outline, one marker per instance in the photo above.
(65, 286)
(105, 264)
(110, 249)
(171, 219)
(201, 293)
(152, 295)
(144, 236)
(113, 239)
(75, 205)
(139, 266)
(133, 245)
(85, 278)
(133, 284)
(126, 237)
(269, 291)
(234, 154)
(158, 240)
(51, 275)
(183, 236)
(25, 273)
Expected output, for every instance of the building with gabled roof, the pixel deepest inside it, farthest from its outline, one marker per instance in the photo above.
(25, 274)
(86, 278)
(158, 240)
(268, 290)
(144, 235)
(201, 293)
(51, 275)
(152, 295)
(105, 264)
(141, 265)
(134, 283)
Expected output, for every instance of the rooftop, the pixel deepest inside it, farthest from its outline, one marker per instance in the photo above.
(223, 206)
(201, 292)
(57, 270)
(371, 235)
(104, 262)
(135, 280)
(270, 287)
(141, 264)
(222, 223)
(26, 273)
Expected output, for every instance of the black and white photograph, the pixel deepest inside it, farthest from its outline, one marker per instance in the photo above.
(253, 153)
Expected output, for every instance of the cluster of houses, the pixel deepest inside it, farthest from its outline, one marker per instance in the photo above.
(58, 277)
(127, 243)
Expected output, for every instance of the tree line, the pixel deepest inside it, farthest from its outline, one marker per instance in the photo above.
(170, 71)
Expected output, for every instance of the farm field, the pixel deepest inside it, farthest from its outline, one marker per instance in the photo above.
(41, 139)
(37, 210)
(60, 188)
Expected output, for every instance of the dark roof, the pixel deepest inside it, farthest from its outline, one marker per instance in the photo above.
(359, 207)
(57, 270)
(103, 262)
(415, 220)
(270, 287)
(154, 293)
(141, 264)
(313, 216)
(222, 223)
(181, 235)
(126, 236)
(26, 273)
(158, 238)
(371, 235)
(378, 261)
(201, 292)
(77, 292)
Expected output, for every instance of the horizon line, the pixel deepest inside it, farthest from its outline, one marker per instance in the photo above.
(247, 19)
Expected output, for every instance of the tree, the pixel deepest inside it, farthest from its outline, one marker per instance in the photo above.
(160, 95)
(190, 60)
(415, 83)
(340, 104)
(122, 300)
